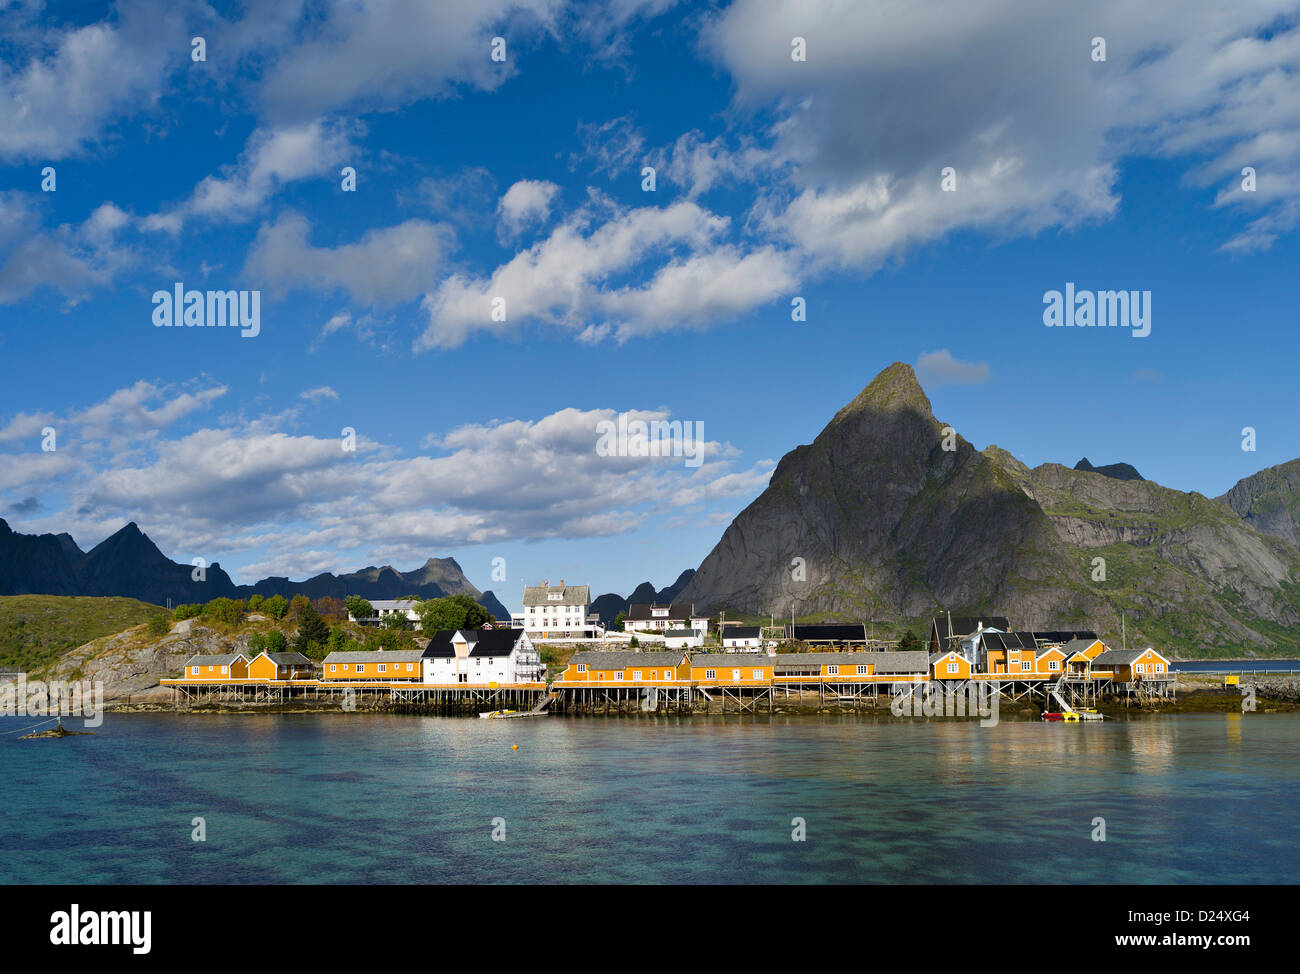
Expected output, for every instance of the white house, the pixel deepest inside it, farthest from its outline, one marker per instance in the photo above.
(683, 638)
(557, 612)
(482, 657)
(739, 639)
(660, 617)
(384, 608)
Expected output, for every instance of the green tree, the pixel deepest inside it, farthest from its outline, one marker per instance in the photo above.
(910, 642)
(159, 625)
(225, 610)
(452, 612)
(395, 620)
(255, 602)
(189, 611)
(297, 604)
(389, 639)
(619, 620)
(311, 629)
(276, 606)
(359, 607)
(256, 643)
(275, 642)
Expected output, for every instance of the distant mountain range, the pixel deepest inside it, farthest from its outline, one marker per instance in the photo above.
(883, 516)
(128, 564)
(608, 606)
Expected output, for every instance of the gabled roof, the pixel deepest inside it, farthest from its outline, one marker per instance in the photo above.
(742, 632)
(377, 656)
(1077, 645)
(286, 659)
(644, 611)
(597, 660)
(482, 642)
(225, 659)
(723, 660)
(936, 657)
(1123, 657)
(681, 633)
(1063, 635)
(569, 594)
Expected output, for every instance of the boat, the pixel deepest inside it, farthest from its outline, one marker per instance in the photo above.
(1065, 715)
(497, 714)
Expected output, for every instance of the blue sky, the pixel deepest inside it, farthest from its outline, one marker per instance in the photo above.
(776, 178)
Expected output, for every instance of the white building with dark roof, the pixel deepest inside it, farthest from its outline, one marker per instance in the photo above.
(558, 612)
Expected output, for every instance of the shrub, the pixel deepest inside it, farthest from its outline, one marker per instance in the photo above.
(159, 625)
(312, 629)
(275, 642)
(359, 607)
(255, 602)
(297, 604)
(225, 610)
(276, 606)
(183, 612)
(256, 643)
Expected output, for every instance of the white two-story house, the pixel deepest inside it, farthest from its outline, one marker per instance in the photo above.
(557, 612)
(481, 657)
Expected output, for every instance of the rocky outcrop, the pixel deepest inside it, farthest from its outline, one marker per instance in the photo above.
(1269, 501)
(890, 515)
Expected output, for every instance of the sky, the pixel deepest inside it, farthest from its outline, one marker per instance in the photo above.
(501, 279)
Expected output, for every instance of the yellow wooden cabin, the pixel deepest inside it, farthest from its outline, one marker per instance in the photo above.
(215, 669)
(1132, 665)
(615, 668)
(851, 667)
(732, 669)
(378, 666)
(951, 665)
(280, 666)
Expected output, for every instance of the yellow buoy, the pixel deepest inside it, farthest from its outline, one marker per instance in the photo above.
(514, 747)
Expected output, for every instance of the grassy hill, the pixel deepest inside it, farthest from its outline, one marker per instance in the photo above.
(35, 629)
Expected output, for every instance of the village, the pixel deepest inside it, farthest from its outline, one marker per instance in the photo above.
(669, 658)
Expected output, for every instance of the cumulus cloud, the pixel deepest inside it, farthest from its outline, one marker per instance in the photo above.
(73, 259)
(942, 368)
(524, 204)
(272, 157)
(247, 485)
(387, 265)
(1006, 93)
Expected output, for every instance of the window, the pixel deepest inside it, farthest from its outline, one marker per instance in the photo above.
(618, 675)
(225, 669)
(1159, 668)
(361, 667)
(1139, 668)
(952, 667)
(863, 670)
(383, 667)
(195, 670)
(1025, 667)
(1053, 665)
(710, 674)
(582, 667)
(833, 670)
(333, 667)
(408, 667)
(758, 674)
(636, 675)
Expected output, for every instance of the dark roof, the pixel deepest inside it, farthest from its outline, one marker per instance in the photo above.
(742, 632)
(827, 632)
(965, 625)
(1008, 640)
(642, 611)
(1063, 635)
(288, 659)
(482, 642)
(1120, 657)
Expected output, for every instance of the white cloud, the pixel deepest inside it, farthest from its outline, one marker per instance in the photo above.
(568, 279)
(272, 157)
(372, 54)
(941, 368)
(524, 204)
(387, 265)
(319, 394)
(74, 260)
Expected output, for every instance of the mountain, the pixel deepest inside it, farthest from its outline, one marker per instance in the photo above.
(884, 516)
(1269, 501)
(490, 602)
(1119, 471)
(609, 605)
(670, 593)
(129, 565)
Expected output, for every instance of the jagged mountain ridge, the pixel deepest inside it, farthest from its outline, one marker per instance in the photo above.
(129, 564)
(891, 525)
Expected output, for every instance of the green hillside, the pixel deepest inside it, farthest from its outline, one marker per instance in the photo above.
(34, 629)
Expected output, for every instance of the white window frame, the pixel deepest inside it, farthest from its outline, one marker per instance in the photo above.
(953, 667)
(710, 674)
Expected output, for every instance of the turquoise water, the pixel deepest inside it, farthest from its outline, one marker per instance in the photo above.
(364, 798)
